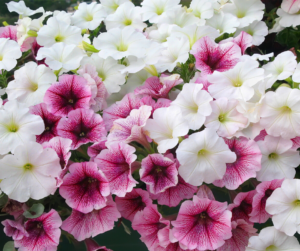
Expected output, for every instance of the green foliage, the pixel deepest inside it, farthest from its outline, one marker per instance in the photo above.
(9, 246)
(289, 37)
(35, 211)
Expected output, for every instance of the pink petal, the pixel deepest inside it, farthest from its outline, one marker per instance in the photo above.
(14, 229)
(205, 192)
(92, 245)
(9, 32)
(95, 149)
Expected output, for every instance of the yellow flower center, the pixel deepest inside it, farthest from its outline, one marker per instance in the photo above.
(297, 203)
(102, 75)
(159, 10)
(1, 58)
(237, 82)
(127, 22)
(34, 87)
(59, 38)
(286, 109)
(241, 14)
(202, 153)
(273, 156)
(222, 118)
(122, 47)
(89, 18)
(12, 127)
(271, 248)
(28, 167)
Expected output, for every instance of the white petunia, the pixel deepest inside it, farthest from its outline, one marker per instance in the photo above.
(30, 84)
(225, 119)
(57, 31)
(161, 34)
(62, 16)
(287, 19)
(203, 9)
(194, 104)
(270, 239)
(110, 6)
(61, 57)
(37, 24)
(155, 10)
(23, 26)
(223, 22)
(280, 113)
(126, 15)
(246, 11)
(88, 16)
(236, 83)
(22, 10)
(278, 159)
(118, 43)
(203, 157)
(258, 30)
(30, 173)
(166, 127)
(9, 53)
(296, 75)
(17, 126)
(281, 68)
(284, 205)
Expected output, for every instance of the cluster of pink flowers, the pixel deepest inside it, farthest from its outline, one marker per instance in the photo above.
(119, 111)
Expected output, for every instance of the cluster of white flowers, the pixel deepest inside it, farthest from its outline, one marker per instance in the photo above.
(186, 86)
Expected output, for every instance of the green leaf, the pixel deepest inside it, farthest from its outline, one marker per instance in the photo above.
(289, 37)
(3, 200)
(9, 246)
(35, 211)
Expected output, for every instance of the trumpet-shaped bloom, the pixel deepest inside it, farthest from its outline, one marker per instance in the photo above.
(279, 160)
(9, 53)
(236, 83)
(116, 162)
(85, 187)
(83, 226)
(280, 113)
(17, 126)
(202, 224)
(225, 118)
(14, 229)
(22, 9)
(246, 165)
(202, 9)
(110, 6)
(43, 233)
(212, 57)
(272, 239)
(203, 157)
(118, 43)
(30, 172)
(283, 205)
(166, 127)
(82, 126)
(88, 16)
(194, 104)
(223, 22)
(30, 84)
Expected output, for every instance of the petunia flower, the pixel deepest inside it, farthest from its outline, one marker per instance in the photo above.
(248, 162)
(202, 224)
(110, 6)
(30, 172)
(95, 149)
(14, 229)
(133, 202)
(290, 6)
(150, 225)
(116, 163)
(30, 84)
(166, 127)
(22, 10)
(82, 126)
(244, 40)
(70, 93)
(85, 187)
(225, 119)
(272, 239)
(263, 191)
(202, 9)
(203, 157)
(17, 126)
(9, 53)
(223, 22)
(83, 226)
(212, 57)
(50, 121)
(159, 172)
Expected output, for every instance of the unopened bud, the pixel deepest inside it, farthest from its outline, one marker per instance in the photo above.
(89, 47)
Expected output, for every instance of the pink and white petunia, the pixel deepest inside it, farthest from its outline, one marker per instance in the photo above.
(82, 126)
(115, 162)
(202, 224)
(263, 191)
(212, 57)
(194, 104)
(83, 226)
(150, 225)
(131, 128)
(159, 87)
(243, 40)
(159, 172)
(172, 196)
(95, 149)
(242, 206)
(284, 207)
(241, 232)
(248, 162)
(205, 192)
(9, 31)
(92, 245)
(43, 233)
(279, 160)
(225, 119)
(270, 239)
(70, 93)
(14, 229)
(50, 121)
(85, 187)
(133, 202)
(166, 127)
(291, 6)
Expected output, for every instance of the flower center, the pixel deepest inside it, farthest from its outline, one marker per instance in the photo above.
(241, 14)
(28, 167)
(1, 58)
(271, 248)
(102, 75)
(202, 153)
(59, 38)
(34, 87)
(82, 134)
(91, 180)
(273, 156)
(115, 6)
(286, 109)
(12, 127)
(71, 101)
(89, 18)
(237, 82)
(39, 225)
(122, 47)
(159, 10)
(297, 203)
(127, 22)
(47, 128)
(222, 118)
